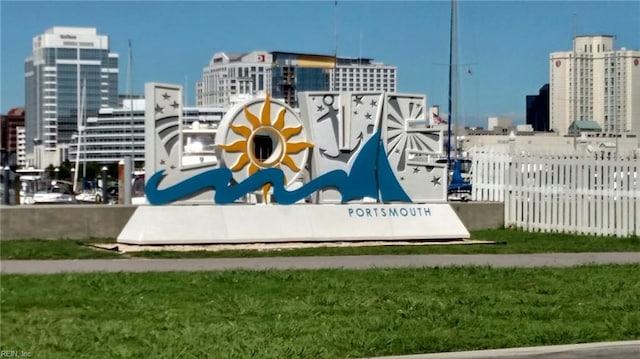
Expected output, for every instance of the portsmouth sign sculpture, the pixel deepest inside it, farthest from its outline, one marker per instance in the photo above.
(346, 167)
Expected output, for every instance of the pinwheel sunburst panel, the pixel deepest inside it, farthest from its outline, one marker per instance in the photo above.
(401, 135)
(263, 133)
(411, 147)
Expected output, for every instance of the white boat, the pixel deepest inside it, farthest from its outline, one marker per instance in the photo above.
(57, 192)
(199, 145)
(87, 196)
(31, 181)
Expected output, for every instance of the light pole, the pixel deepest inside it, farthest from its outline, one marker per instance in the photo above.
(57, 171)
(104, 184)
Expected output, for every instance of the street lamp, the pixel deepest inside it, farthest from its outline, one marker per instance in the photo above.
(104, 184)
(57, 171)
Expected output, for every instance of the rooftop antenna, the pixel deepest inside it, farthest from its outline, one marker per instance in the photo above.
(360, 54)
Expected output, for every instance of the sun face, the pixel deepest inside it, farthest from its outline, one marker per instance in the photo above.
(265, 143)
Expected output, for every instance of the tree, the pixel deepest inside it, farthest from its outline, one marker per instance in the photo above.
(93, 170)
(50, 171)
(65, 170)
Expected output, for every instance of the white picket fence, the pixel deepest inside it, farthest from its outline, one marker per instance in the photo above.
(561, 193)
(489, 168)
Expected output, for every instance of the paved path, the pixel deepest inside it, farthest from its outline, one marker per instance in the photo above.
(611, 350)
(347, 262)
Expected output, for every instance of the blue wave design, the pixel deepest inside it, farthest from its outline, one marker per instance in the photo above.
(370, 176)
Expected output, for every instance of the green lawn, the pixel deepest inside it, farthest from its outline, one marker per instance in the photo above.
(315, 314)
(508, 242)
(53, 249)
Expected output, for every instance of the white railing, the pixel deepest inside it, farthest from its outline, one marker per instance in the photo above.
(561, 193)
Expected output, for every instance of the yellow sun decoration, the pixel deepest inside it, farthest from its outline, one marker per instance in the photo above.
(277, 133)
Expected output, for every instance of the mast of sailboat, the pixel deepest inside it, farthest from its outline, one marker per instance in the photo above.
(335, 44)
(453, 74)
(83, 126)
(80, 129)
(78, 119)
(130, 90)
(130, 164)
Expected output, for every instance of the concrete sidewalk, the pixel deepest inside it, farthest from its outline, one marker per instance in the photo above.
(328, 262)
(609, 350)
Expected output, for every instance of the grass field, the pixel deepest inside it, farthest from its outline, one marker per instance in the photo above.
(315, 314)
(508, 242)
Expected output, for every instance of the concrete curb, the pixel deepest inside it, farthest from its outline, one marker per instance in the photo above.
(621, 349)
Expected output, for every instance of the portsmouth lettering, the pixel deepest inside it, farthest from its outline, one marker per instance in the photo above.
(389, 212)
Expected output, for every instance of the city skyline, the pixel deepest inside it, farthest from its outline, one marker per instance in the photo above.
(504, 47)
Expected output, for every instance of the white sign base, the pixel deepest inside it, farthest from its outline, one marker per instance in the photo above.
(295, 223)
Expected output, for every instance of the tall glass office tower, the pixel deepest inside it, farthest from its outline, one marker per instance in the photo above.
(64, 61)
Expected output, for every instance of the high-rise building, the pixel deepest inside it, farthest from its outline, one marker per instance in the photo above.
(229, 76)
(357, 74)
(21, 152)
(284, 74)
(538, 110)
(199, 93)
(117, 132)
(64, 61)
(293, 72)
(594, 82)
(9, 136)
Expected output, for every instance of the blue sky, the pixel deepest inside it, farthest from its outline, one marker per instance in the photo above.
(506, 43)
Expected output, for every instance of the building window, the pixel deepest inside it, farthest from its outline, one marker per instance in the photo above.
(262, 147)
